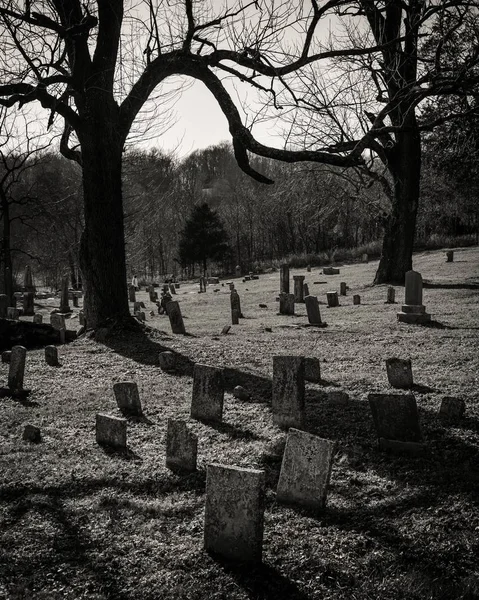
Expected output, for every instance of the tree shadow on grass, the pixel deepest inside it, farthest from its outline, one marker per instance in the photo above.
(122, 453)
(260, 387)
(451, 286)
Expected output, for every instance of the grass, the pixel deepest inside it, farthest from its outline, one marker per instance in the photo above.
(79, 522)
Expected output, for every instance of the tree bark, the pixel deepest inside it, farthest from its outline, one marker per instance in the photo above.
(405, 168)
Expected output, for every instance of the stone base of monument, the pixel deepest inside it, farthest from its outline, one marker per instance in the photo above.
(413, 314)
(399, 447)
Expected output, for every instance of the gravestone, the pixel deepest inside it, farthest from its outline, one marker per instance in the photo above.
(231, 286)
(28, 280)
(234, 512)
(110, 431)
(75, 300)
(3, 306)
(235, 315)
(226, 329)
(38, 319)
(305, 470)
(131, 293)
(64, 297)
(28, 307)
(176, 319)
(16, 371)
(356, 299)
(298, 288)
(167, 361)
(208, 393)
(399, 373)
(452, 408)
(330, 271)
(308, 268)
(62, 334)
(286, 304)
(332, 298)
(172, 288)
(128, 398)
(395, 417)
(51, 356)
(181, 447)
(32, 434)
(57, 321)
(413, 311)
(238, 271)
(305, 290)
(312, 369)
(284, 278)
(288, 391)
(235, 302)
(342, 288)
(13, 313)
(365, 258)
(391, 297)
(450, 256)
(312, 308)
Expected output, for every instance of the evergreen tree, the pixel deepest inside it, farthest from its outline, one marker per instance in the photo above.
(203, 238)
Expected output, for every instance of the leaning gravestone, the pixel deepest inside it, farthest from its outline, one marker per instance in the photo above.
(28, 307)
(298, 288)
(51, 356)
(16, 371)
(399, 373)
(413, 311)
(208, 393)
(3, 306)
(128, 398)
(312, 370)
(312, 308)
(284, 279)
(288, 391)
(176, 319)
(181, 447)
(110, 431)
(396, 421)
(332, 298)
(305, 470)
(452, 408)
(234, 512)
(286, 304)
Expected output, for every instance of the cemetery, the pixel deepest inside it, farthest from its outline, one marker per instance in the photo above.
(231, 449)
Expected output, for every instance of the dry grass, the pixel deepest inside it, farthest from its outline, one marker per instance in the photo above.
(79, 522)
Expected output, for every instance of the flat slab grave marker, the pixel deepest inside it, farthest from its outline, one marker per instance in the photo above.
(16, 372)
(110, 431)
(128, 398)
(305, 470)
(181, 447)
(396, 420)
(208, 393)
(167, 361)
(413, 311)
(176, 319)
(288, 391)
(312, 308)
(450, 256)
(234, 512)
(399, 373)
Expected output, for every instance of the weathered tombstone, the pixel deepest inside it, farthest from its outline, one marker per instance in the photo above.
(312, 369)
(365, 258)
(38, 319)
(305, 470)
(235, 302)
(128, 398)
(176, 319)
(312, 308)
(32, 434)
(396, 419)
(57, 321)
(413, 310)
(399, 373)
(167, 361)
(64, 297)
(235, 315)
(28, 307)
(332, 298)
(284, 278)
(16, 371)
(330, 271)
(308, 268)
(298, 288)
(286, 304)
(288, 391)
(131, 293)
(391, 297)
(208, 393)
(234, 512)
(181, 447)
(172, 289)
(452, 408)
(110, 431)
(6, 356)
(356, 299)
(450, 256)
(28, 280)
(305, 290)
(51, 356)
(13, 313)
(3, 306)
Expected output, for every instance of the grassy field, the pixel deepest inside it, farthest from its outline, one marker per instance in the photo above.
(78, 522)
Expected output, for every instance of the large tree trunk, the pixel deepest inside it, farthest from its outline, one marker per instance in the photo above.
(6, 249)
(405, 168)
(102, 253)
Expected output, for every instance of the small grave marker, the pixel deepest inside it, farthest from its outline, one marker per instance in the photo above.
(452, 408)
(181, 447)
(110, 431)
(395, 417)
(391, 297)
(288, 391)
(208, 393)
(128, 398)
(399, 373)
(356, 299)
(332, 298)
(51, 356)
(176, 319)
